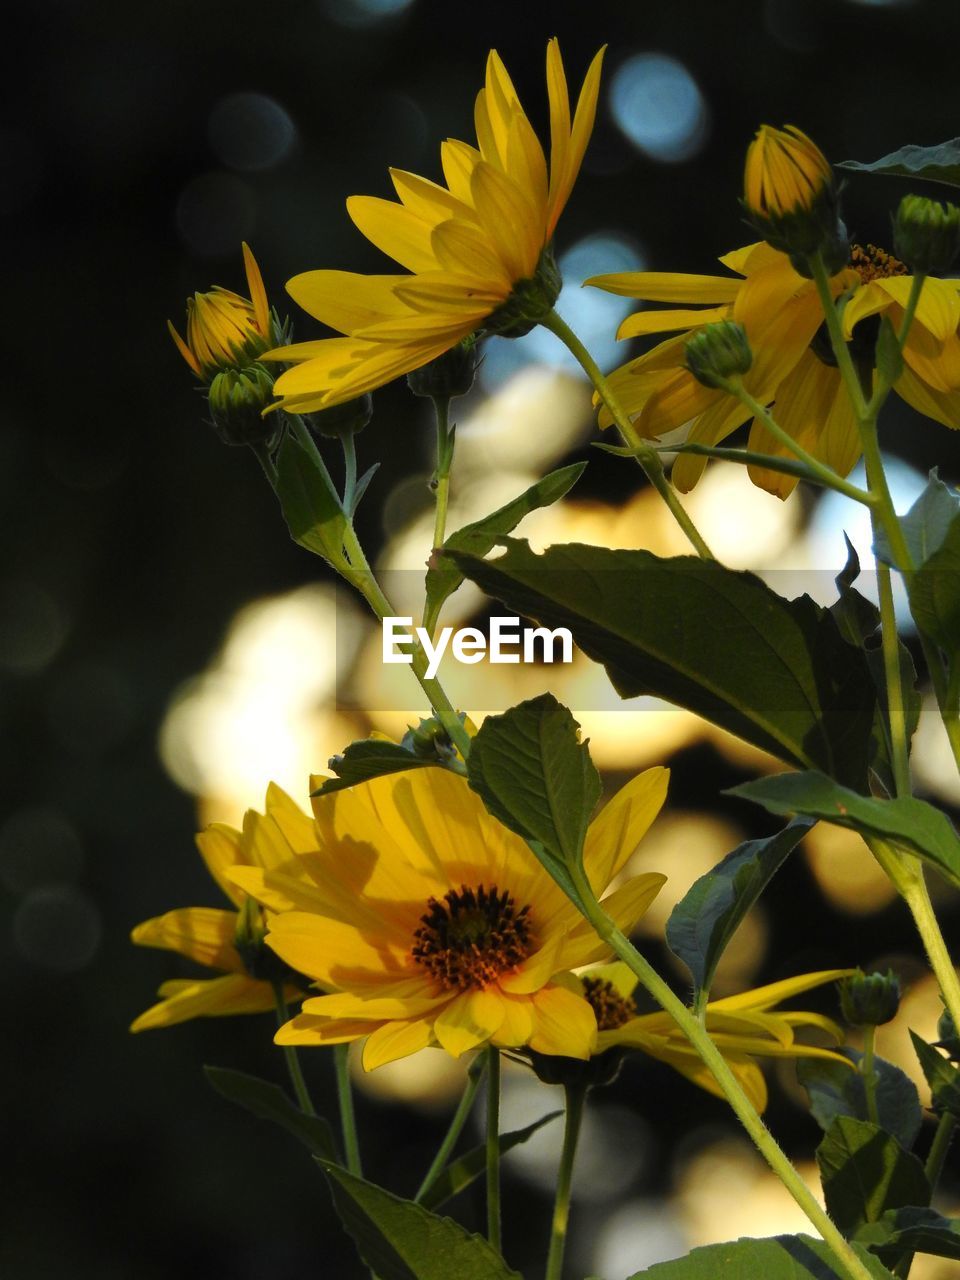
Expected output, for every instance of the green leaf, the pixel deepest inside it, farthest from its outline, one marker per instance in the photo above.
(926, 524)
(913, 1230)
(706, 918)
(535, 775)
(935, 593)
(778, 1258)
(371, 758)
(910, 823)
(934, 164)
(865, 1172)
(443, 577)
(775, 672)
(460, 1173)
(400, 1240)
(310, 503)
(887, 355)
(836, 1091)
(941, 1075)
(269, 1102)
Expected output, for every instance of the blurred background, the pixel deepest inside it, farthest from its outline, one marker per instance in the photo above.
(165, 650)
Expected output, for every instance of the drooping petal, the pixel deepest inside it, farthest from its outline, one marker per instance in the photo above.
(774, 992)
(668, 286)
(204, 934)
(941, 406)
(402, 1000)
(395, 1040)
(938, 307)
(642, 323)
(184, 999)
(306, 1030)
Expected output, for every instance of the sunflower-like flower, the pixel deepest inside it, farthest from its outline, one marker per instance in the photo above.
(744, 1027)
(427, 922)
(225, 330)
(792, 366)
(230, 941)
(477, 248)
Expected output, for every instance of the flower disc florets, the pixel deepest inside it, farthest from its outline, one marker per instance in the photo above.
(612, 1008)
(472, 938)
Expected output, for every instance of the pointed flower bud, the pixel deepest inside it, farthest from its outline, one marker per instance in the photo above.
(790, 197)
(449, 375)
(718, 353)
(346, 419)
(225, 330)
(926, 234)
(870, 999)
(237, 399)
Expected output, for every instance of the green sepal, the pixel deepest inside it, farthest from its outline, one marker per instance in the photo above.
(269, 1102)
(400, 1240)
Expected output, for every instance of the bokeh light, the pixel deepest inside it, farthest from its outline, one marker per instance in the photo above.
(215, 212)
(656, 102)
(364, 13)
(57, 927)
(38, 846)
(251, 131)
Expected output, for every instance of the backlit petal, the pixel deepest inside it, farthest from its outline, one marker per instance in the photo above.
(204, 934)
(564, 1023)
(614, 834)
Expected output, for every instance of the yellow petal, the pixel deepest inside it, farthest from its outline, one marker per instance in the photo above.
(613, 836)
(625, 906)
(469, 1020)
(463, 249)
(517, 1025)
(867, 301)
(428, 200)
(203, 934)
(527, 167)
(459, 161)
(559, 129)
(509, 220)
(753, 257)
(583, 121)
(206, 998)
(297, 826)
(382, 362)
(315, 373)
(333, 952)
(279, 892)
(398, 232)
(766, 997)
(219, 847)
(668, 286)
(642, 323)
(402, 1000)
(537, 970)
(943, 407)
(346, 300)
(564, 1023)
(320, 1031)
(258, 294)
(938, 307)
(395, 1040)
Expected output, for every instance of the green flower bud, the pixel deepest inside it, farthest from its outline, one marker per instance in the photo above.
(870, 999)
(926, 234)
(237, 399)
(448, 375)
(429, 740)
(949, 1040)
(530, 301)
(341, 420)
(718, 353)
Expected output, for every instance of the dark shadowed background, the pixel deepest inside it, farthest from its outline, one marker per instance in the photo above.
(140, 145)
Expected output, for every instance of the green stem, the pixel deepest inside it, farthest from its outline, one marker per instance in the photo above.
(937, 1155)
(883, 386)
(262, 454)
(917, 898)
(445, 440)
(730, 1086)
(869, 1074)
(575, 1095)
(894, 682)
(826, 475)
(647, 457)
(460, 1117)
(841, 351)
(493, 1147)
(348, 1123)
(294, 1070)
(349, 445)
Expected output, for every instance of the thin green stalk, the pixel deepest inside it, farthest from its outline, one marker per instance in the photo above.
(909, 311)
(841, 351)
(348, 1123)
(445, 441)
(262, 454)
(493, 1147)
(575, 1096)
(460, 1117)
(647, 457)
(348, 443)
(291, 1058)
(733, 1091)
(891, 667)
(826, 475)
(868, 1072)
(917, 898)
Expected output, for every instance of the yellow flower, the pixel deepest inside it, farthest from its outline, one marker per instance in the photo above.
(781, 314)
(429, 923)
(230, 941)
(225, 330)
(476, 248)
(785, 172)
(743, 1027)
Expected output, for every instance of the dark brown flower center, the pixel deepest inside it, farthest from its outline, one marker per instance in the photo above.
(871, 263)
(612, 1009)
(472, 938)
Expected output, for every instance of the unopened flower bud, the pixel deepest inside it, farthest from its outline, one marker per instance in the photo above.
(237, 399)
(227, 331)
(790, 197)
(718, 353)
(926, 234)
(870, 999)
(448, 375)
(429, 740)
(346, 419)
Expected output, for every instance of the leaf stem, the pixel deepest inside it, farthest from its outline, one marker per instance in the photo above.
(647, 457)
(575, 1096)
(460, 1116)
(262, 454)
(891, 667)
(688, 1023)
(493, 1147)
(868, 1072)
(917, 898)
(445, 443)
(291, 1057)
(348, 1123)
(348, 443)
(939, 1147)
